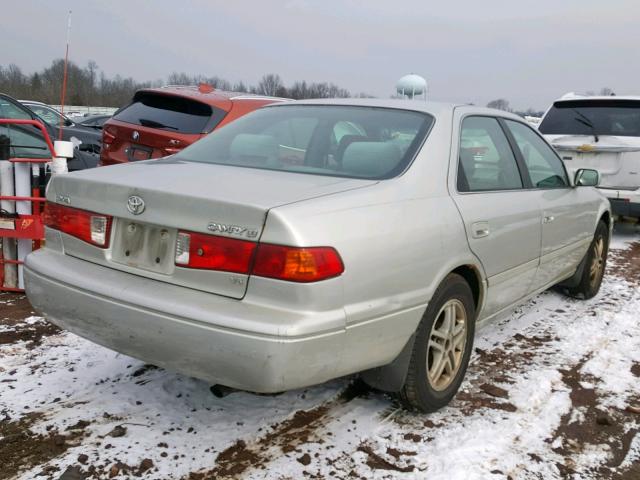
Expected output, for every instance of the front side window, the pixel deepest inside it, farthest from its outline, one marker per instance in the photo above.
(336, 140)
(486, 161)
(544, 167)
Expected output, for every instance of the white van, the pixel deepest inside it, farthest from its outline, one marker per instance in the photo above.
(602, 133)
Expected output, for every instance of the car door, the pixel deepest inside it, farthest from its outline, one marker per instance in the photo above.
(567, 212)
(501, 216)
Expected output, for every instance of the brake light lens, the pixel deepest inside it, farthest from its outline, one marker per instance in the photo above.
(93, 228)
(297, 264)
(171, 150)
(211, 252)
(294, 264)
(108, 135)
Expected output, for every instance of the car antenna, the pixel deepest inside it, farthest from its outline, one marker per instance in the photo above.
(64, 78)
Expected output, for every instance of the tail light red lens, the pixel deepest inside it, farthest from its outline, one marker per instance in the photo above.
(171, 150)
(108, 135)
(211, 252)
(93, 228)
(297, 264)
(294, 264)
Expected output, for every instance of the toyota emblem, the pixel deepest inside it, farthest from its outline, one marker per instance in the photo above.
(135, 135)
(135, 205)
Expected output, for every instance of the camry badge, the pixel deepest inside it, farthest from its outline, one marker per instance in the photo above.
(135, 135)
(135, 205)
(233, 230)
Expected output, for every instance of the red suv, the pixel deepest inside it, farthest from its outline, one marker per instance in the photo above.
(162, 121)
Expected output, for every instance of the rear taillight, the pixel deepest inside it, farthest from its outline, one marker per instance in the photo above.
(294, 264)
(211, 252)
(93, 228)
(297, 264)
(171, 150)
(108, 134)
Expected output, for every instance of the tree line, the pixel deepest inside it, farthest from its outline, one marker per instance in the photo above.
(90, 86)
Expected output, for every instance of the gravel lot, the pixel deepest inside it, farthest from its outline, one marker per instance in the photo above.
(553, 392)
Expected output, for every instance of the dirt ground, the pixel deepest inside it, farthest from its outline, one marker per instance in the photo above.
(553, 391)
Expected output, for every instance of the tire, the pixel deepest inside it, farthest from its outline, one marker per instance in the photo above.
(423, 389)
(595, 263)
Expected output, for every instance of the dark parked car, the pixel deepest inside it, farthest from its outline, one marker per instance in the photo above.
(86, 138)
(94, 121)
(27, 141)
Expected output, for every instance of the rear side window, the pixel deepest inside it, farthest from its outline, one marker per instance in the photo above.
(336, 140)
(486, 161)
(26, 140)
(544, 167)
(172, 113)
(593, 117)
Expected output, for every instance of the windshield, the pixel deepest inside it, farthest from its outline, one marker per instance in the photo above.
(172, 113)
(345, 141)
(593, 117)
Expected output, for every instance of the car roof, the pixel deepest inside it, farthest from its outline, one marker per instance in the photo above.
(33, 102)
(212, 97)
(433, 108)
(571, 97)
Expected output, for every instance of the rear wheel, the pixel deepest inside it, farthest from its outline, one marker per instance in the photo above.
(442, 347)
(595, 264)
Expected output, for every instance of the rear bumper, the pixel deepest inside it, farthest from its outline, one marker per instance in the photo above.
(623, 202)
(179, 328)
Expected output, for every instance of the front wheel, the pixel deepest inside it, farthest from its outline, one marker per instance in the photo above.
(442, 347)
(595, 263)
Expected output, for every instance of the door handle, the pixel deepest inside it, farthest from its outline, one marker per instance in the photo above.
(548, 219)
(480, 230)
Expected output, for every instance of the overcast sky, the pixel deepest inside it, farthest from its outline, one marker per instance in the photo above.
(468, 50)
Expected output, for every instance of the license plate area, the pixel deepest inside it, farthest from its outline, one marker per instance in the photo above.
(138, 152)
(145, 246)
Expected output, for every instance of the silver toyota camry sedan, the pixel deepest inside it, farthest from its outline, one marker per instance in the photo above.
(315, 239)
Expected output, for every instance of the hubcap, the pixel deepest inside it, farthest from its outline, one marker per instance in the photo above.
(597, 264)
(447, 340)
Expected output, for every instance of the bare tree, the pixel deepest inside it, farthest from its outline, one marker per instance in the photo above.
(500, 104)
(270, 84)
(607, 92)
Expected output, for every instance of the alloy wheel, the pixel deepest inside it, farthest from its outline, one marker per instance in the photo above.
(446, 345)
(597, 264)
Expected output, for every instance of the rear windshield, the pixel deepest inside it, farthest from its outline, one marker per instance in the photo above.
(345, 141)
(593, 117)
(171, 113)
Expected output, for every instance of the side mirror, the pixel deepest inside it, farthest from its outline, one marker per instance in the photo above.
(586, 177)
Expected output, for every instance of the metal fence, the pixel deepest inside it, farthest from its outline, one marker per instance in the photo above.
(80, 111)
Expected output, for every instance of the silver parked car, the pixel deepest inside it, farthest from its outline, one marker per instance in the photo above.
(316, 239)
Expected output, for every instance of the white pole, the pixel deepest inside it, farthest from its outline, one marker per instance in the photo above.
(9, 251)
(22, 174)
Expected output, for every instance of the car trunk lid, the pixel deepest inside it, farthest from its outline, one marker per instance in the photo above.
(227, 201)
(132, 143)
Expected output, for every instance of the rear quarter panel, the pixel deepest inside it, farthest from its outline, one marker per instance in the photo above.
(398, 240)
